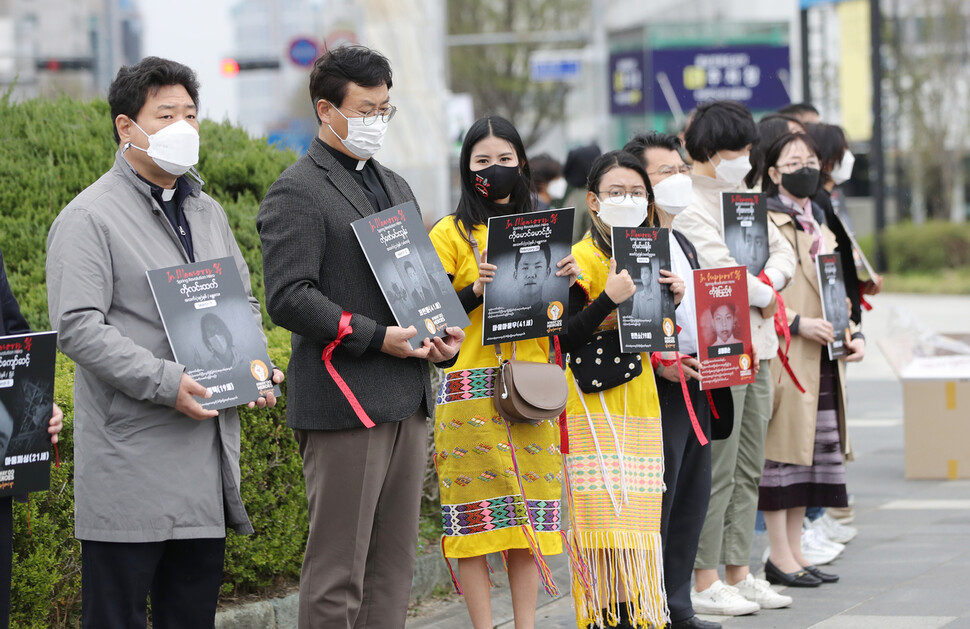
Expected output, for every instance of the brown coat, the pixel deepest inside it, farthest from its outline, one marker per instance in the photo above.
(791, 432)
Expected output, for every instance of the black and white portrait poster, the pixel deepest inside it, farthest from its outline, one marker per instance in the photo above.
(409, 272)
(745, 220)
(26, 405)
(526, 299)
(646, 320)
(211, 329)
(835, 305)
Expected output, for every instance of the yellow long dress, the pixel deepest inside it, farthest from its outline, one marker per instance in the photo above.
(630, 449)
(482, 503)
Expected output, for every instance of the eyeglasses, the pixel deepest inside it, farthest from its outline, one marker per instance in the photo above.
(371, 116)
(668, 170)
(617, 195)
(791, 167)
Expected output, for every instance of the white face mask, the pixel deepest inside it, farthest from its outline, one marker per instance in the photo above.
(843, 170)
(673, 194)
(362, 140)
(733, 171)
(630, 212)
(174, 148)
(557, 188)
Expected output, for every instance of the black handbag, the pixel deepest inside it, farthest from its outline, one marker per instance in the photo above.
(600, 365)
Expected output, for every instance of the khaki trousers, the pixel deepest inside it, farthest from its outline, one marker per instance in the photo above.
(364, 491)
(736, 466)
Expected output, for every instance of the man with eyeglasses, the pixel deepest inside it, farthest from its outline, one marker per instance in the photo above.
(358, 414)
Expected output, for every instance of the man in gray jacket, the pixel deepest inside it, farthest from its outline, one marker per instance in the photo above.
(156, 478)
(362, 433)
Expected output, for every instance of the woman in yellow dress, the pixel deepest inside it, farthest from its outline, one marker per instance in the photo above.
(497, 494)
(614, 435)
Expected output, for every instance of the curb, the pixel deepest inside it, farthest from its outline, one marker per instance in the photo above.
(430, 572)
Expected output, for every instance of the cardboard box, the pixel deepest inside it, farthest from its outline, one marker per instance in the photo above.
(936, 408)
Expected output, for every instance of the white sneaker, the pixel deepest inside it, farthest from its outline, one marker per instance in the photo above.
(721, 600)
(759, 591)
(834, 530)
(817, 549)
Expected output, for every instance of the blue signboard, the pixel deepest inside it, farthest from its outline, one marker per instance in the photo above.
(757, 76)
(303, 52)
(628, 83)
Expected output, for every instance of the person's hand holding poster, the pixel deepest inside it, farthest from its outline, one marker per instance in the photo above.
(724, 327)
(646, 321)
(526, 299)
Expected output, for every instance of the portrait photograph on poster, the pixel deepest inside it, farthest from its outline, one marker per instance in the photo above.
(723, 327)
(210, 326)
(526, 299)
(409, 272)
(646, 321)
(26, 403)
(835, 305)
(745, 221)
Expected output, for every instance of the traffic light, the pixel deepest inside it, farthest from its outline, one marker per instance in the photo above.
(57, 65)
(230, 67)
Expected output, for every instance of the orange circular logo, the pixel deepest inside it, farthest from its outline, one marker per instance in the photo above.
(554, 311)
(668, 326)
(259, 370)
(429, 324)
(744, 361)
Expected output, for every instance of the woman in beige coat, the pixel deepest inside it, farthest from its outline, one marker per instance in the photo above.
(806, 441)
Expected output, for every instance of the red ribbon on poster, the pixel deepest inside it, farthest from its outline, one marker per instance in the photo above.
(343, 330)
(782, 329)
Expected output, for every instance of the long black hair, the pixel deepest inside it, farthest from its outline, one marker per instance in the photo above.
(602, 165)
(770, 127)
(472, 208)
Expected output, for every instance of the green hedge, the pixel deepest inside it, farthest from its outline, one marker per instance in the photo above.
(50, 150)
(931, 246)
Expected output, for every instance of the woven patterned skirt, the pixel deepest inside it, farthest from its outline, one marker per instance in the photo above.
(822, 484)
(497, 493)
(616, 516)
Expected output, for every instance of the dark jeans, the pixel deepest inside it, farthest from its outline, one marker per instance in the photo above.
(687, 476)
(6, 558)
(182, 576)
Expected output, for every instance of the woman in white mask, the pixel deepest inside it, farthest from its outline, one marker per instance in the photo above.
(615, 432)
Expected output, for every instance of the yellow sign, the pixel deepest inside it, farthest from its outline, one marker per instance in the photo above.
(855, 70)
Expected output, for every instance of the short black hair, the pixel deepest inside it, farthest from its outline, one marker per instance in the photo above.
(721, 125)
(794, 109)
(773, 154)
(543, 248)
(133, 84)
(769, 128)
(334, 69)
(831, 143)
(638, 144)
(545, 168)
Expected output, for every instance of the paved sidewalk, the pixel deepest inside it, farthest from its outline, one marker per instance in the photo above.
(910, 563)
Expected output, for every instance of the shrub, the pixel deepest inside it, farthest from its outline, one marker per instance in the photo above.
(50, 150)
(931, 246)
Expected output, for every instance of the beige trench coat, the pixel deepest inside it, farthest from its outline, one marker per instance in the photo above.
(791, 431)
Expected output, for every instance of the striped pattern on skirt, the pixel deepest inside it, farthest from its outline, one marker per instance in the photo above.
(822, 484)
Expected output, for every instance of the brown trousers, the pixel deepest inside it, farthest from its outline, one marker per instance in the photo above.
(364, 492)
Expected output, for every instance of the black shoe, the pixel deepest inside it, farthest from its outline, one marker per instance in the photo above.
(694, 623)
(826, 577)
(800, 579)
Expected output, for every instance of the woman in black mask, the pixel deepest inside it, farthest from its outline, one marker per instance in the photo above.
(495, 497)
(806, 442)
